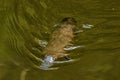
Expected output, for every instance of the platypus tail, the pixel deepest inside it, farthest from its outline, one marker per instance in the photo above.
(49, 61)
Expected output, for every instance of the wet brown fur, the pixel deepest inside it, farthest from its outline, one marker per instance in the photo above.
(60, 38)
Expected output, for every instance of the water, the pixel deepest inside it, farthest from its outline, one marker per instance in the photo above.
(21, 21)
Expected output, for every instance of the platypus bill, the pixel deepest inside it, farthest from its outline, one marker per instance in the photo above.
(60, 38)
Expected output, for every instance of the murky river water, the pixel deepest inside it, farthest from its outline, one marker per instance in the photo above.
(21, 21)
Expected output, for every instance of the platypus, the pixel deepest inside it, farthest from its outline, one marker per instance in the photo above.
(60, 38)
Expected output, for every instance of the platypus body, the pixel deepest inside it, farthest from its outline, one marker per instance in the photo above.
(59, 39)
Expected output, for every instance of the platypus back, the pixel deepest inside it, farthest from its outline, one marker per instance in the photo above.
(60, 38)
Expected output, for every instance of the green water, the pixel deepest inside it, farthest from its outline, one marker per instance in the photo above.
(21, 21)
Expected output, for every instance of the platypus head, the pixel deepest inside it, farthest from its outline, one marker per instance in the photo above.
(69, 20)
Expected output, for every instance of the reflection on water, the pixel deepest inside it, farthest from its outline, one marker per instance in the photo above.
(22, 21)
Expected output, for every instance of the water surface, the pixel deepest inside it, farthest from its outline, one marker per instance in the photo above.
(21, 21)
